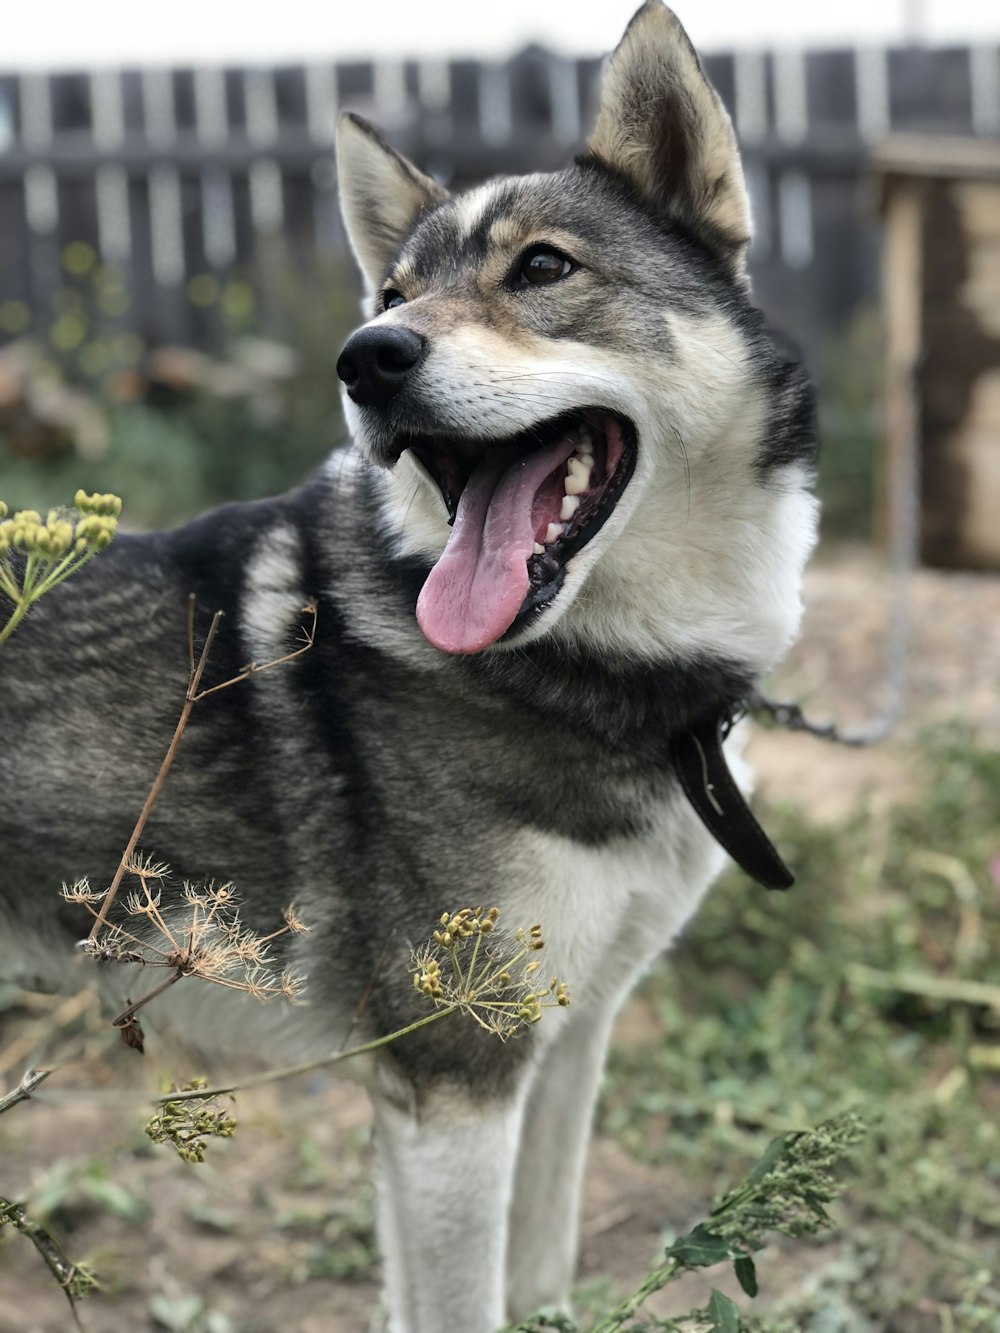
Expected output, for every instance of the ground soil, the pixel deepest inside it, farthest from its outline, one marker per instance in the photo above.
(840, 671)
(272, 1232)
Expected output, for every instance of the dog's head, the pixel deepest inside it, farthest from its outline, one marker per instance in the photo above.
(564, 370)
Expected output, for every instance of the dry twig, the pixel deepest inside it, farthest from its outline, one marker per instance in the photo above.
(193, 694)
(199, 954)
(24, 1089)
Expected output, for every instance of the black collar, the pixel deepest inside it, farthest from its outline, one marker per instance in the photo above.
(700, 763)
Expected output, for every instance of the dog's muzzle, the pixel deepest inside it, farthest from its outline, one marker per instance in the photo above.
(376, 361)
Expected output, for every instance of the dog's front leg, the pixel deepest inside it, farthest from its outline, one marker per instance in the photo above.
(545, 1218)
(445, 1180)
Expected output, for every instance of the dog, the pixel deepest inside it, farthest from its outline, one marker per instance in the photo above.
(571, 528)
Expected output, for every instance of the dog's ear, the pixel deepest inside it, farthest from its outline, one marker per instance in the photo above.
(381, 195)
(662, 126)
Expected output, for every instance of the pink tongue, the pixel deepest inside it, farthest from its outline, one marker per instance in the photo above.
(475, 590)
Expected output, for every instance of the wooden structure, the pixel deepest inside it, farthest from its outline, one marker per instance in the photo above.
(177, 174)
(941, 291)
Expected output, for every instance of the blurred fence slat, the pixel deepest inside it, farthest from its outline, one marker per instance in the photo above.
(174, 173)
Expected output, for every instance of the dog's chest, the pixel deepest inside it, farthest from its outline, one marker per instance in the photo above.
(607, 911)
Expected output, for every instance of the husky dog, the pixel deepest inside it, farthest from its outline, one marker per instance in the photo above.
(571, 525)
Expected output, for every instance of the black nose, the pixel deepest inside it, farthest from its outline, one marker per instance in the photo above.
(376, 361)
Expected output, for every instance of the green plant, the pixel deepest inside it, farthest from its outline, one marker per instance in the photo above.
(37, 554)
(872, 984)
(35, 557)
(176, 430)
(68, 1181)
(787, 1193)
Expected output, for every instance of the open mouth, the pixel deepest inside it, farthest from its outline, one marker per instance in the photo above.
(520, 509)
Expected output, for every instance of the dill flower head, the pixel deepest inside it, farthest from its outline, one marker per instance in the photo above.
(187, 1125)
(471, 966)
(87, 528)
(195, 930)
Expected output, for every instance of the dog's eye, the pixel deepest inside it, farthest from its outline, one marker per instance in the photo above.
(391, 299)
(541, 264)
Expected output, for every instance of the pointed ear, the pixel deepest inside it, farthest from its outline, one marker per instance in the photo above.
(381, 195)
(662, 126)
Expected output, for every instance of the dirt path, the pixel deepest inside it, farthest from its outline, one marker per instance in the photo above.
(837, 671)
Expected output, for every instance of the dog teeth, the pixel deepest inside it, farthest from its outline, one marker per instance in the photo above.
(577, 478)
(539, 548)
(579, 467)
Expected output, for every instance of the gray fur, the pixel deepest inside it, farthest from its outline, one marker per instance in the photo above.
(375, 780)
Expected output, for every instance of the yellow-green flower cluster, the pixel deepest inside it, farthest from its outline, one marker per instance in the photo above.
(54, 536)
(27, 533)
(98, 521)
(187, 1124)
(495, 983)
(531, 939)
(104, 506)
(427, 979)
(456, 926)
(53, 548)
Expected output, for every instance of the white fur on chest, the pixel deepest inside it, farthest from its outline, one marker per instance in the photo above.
(607, 912)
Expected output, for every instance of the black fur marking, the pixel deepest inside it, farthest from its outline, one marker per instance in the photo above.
(792, 429)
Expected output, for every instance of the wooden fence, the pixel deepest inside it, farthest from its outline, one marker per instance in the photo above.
(174, 174)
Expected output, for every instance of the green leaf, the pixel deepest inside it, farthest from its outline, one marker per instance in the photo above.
(701, 1248)
(724, 1314)
(746, 1274)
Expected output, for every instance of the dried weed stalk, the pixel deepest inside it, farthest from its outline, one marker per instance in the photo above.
(76, 1280)
(193, 695)
(202, 936)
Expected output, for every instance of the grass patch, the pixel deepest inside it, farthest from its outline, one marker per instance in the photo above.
(874, 985)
